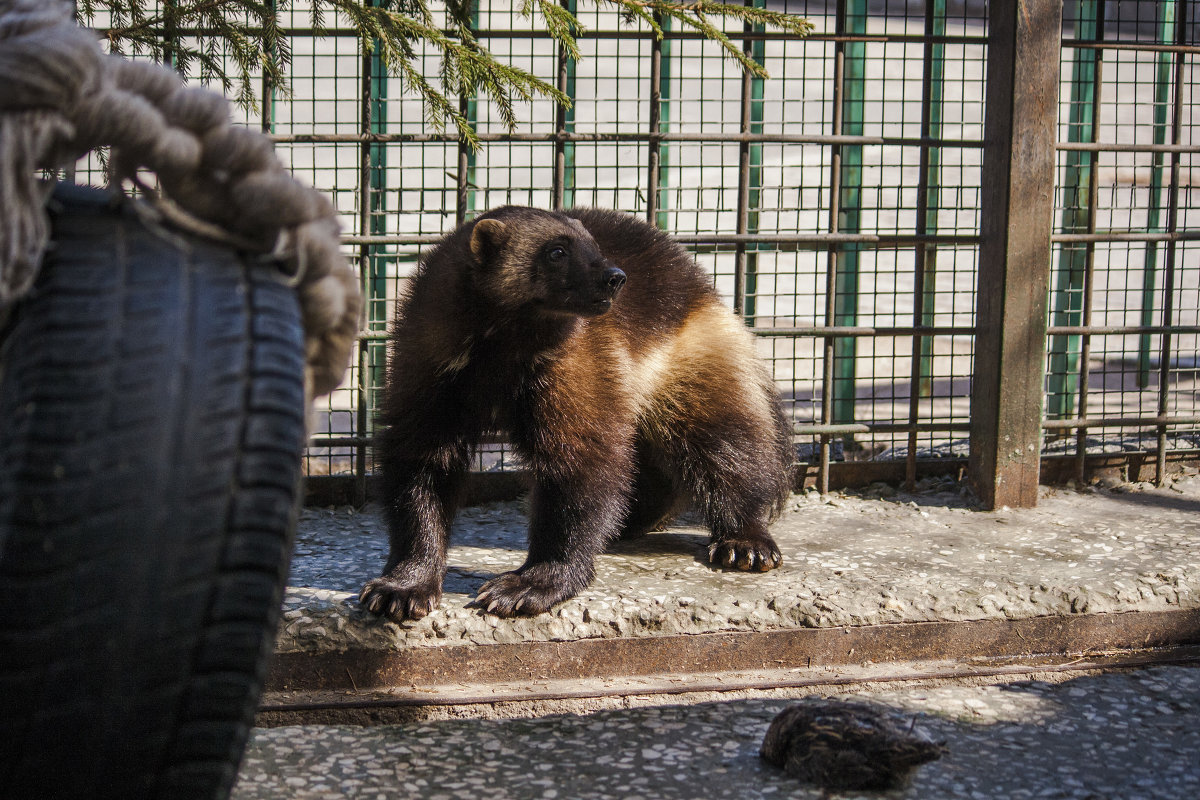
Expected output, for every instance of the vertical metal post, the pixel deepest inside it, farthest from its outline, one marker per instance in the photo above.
(930, 198)
(1085, 282)
(371, 221)
(267, 117)
(563, 188)
(658, 167)
(749, 198)
(468, 106)
(852, 20)
(833, 346)
(928, 204)
(1017, 210)
(1078, 214)
(170, 36)
(1162, 97)
(1168, 313)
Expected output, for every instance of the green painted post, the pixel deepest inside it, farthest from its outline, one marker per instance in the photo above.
(852, 22)
(564, 157)
(1063, 368)
(1163, 80)
(268, 91)
(377, 259)
(756, 49)
(935, 63)
(663, 192)
(468, 104)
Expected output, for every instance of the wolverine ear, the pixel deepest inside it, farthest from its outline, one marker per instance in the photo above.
(488, 238)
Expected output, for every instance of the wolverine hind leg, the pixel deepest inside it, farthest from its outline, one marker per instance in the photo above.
(656, 496)
(733, 474)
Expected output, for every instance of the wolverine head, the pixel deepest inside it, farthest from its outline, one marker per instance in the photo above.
(542, 260)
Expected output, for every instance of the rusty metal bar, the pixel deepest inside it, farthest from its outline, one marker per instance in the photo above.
(1078, 634)
(289, 710)
(1016, 213)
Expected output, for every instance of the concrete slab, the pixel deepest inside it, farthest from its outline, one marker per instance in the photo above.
(850, 559)
(1127, 735)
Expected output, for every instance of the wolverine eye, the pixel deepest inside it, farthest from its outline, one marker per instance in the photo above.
(556, 254)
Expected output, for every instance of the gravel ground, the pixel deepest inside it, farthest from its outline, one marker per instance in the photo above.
(1116, 736)
(849, 559)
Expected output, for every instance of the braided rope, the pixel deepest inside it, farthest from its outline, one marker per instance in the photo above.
(61, 96)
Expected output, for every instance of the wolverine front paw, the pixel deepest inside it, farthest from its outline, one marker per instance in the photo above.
(398, 600)
(751, 555)
(524, 593)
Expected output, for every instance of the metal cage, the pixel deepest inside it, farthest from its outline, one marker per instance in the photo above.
(840, 207)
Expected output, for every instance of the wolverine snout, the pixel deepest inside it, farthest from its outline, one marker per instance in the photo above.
(614, 279)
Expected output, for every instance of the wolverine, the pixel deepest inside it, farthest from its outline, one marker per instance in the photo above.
(598, 346)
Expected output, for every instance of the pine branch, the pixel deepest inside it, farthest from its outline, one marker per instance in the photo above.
(696, 16)
(401, 31)
(248, 29)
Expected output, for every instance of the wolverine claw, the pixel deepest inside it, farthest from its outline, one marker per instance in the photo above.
(525, 593)
(400, 600)
(758, 554)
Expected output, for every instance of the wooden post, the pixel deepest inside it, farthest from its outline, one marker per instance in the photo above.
(1017, 208)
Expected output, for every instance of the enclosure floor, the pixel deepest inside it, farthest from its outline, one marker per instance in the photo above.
(849, 560)
(1115, 736)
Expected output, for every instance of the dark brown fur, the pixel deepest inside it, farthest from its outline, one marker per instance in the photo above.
(620, 413)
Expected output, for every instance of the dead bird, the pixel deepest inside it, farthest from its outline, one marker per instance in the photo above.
(847, 745)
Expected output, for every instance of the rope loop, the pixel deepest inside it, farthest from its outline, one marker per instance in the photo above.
(62, 96)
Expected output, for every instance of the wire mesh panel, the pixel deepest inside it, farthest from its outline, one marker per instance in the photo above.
(862, 295)
(835, 204)
(1122, 355)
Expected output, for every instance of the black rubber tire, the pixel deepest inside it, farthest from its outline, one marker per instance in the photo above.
(151, 422)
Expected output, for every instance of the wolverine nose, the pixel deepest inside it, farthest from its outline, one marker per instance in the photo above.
(614, 279)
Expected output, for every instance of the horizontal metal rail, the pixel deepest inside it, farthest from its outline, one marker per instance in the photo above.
(1120, 422)
(816, 240)
(821, 331)
(1127, 236)
(1117, 147)
(803, 429)
(732, 34)
(1146, 47)
(554, 137)
(621, 33)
